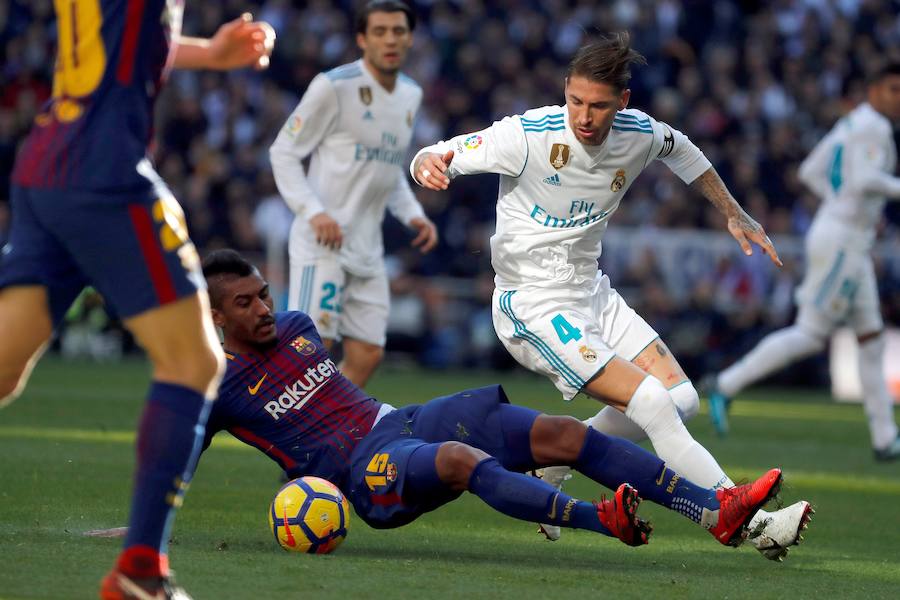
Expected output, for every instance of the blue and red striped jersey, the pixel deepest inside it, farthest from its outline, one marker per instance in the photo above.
(111, 60)
(293, 404)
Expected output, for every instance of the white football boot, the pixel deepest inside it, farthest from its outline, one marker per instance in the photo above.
(773, 533)
(555, 476)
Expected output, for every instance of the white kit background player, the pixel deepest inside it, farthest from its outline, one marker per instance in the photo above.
(851, 170)
(356, 121)
(563, 171)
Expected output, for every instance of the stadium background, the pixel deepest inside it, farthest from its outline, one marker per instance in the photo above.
(755, 85)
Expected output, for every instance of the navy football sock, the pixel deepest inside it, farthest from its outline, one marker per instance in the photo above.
(530, 499)
(168, 446)
(612, 461)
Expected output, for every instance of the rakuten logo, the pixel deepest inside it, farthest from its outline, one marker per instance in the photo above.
(299, 393)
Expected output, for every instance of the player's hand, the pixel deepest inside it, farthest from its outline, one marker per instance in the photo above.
(745, 230)
(328, 232)
(427, 237)
(430, 169)
(242, 43)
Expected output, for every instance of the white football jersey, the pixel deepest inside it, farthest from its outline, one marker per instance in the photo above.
(851, 169)
(556, 194)
(358, 134)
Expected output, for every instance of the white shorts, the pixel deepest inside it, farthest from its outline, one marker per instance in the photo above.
(339, 303)
(569, 334)
(839, 288)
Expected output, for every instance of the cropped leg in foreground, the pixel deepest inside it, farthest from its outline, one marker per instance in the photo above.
(186, 371)
(138, 264)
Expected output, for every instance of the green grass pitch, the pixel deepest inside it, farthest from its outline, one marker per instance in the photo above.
(66, 456)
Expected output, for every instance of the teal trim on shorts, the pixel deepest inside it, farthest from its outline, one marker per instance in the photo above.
(688, 380)
(642, 349)
(555, 361)
(830, 279)
(306, 285)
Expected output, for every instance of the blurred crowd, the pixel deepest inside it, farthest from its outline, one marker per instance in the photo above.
(754, 84)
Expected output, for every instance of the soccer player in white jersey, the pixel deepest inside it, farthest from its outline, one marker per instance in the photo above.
(563, 171)
(356, 121)
(851, 171)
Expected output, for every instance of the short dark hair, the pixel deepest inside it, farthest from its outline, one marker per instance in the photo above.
(222, 265)
(362, 14)
(884, 70)
(607, 60)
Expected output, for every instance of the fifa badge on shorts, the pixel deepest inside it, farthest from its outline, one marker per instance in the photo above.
(325, 320)
(365, 94)
(559, 156)
(303, 346)
(588, 354)
(619, 181)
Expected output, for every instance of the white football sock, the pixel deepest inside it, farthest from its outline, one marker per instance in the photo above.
(876, 397)
(612, 422)
(775, 351)
(652, 409)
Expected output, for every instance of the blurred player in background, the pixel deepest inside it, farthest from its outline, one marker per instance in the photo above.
(563, 172)
(88, 209)
(851, 170)
(283, 395)
(356, 121)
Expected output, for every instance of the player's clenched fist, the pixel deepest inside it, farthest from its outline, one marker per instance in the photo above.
(430, 169)
(328, 232)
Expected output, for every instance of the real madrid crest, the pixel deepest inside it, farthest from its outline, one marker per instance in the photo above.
(559, 156)
(588, 354)
(365, 94)
(619, 181)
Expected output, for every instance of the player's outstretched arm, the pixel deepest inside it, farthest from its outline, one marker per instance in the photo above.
(501, 149)
(237, 44)
(429, 170)
(741, 225)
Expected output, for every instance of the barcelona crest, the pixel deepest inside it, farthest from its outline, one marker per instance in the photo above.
(303, 346)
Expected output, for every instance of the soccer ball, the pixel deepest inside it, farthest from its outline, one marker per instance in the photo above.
(309, 514)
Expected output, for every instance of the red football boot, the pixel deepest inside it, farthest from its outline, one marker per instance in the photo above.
(737, 506)
(118, 586)
(619, 515)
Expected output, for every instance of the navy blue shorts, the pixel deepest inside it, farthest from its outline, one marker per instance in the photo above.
(133, 247)
(381, 469)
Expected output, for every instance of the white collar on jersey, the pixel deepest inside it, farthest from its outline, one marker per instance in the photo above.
(377, 88)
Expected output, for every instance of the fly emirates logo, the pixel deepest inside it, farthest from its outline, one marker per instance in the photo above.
(296, 395)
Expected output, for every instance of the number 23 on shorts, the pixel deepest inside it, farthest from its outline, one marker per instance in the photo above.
(331, 299)
(565, 330)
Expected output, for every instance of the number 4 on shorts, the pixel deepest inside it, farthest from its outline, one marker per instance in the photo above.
(565, 330)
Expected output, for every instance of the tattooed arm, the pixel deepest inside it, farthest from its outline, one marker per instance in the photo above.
(740, 225)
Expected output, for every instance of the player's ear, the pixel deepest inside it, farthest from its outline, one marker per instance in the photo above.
(361, 41)
(624, 98)
(218, 318)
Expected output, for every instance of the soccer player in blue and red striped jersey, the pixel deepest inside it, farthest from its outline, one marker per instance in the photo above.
(88, 209)
(284, 395)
